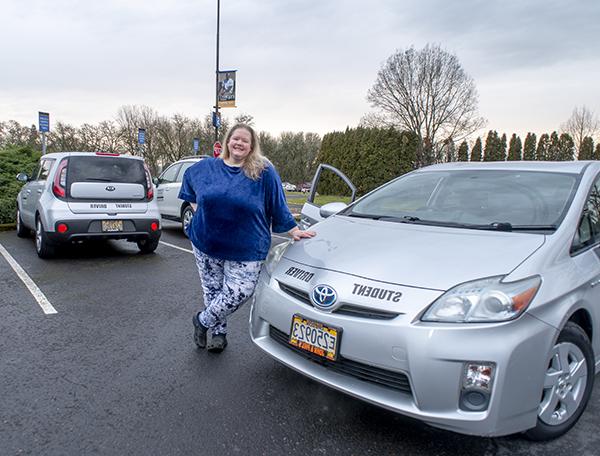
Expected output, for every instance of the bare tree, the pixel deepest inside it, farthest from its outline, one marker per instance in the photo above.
(427, 92)
(582, 123)
(130, 119)
(111, 136)
(63, 137)
(245, 119)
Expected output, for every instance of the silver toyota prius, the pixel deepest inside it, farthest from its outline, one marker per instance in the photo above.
(464, 295)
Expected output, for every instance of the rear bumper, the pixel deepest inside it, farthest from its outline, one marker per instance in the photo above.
(78, 230)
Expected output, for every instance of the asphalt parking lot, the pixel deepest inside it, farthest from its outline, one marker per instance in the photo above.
(114, 371)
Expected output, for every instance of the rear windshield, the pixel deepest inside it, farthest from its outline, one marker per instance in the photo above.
(105, 169)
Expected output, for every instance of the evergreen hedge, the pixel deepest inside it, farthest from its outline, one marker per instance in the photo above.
(14, 160)
(368, 156)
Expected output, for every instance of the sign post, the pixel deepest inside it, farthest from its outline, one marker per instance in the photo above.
(44, 122)
(217, 149)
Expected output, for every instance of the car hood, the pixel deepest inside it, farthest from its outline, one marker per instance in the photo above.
(435, 258)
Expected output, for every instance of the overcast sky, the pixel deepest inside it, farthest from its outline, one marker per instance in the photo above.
(303, 65)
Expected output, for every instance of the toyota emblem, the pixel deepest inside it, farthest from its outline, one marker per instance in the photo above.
(323, 296)
(110, 188)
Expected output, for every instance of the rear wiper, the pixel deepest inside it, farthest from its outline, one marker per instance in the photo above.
(99, 179)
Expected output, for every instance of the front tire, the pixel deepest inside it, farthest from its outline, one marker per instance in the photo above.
(43, 246)
(568, 384)
(147, 245)
(186, 218)
(22, 230)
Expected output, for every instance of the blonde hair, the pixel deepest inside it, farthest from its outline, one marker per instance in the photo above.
(255, 162)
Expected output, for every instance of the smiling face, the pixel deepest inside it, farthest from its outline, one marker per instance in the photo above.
(239, 145)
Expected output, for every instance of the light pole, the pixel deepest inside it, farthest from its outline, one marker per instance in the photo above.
(216, 115)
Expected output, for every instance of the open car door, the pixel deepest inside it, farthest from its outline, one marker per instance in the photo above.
(330, 192)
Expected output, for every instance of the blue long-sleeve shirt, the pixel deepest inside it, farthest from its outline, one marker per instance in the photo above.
(235, 214)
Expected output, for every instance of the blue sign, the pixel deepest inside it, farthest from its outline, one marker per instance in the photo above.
(196, 144)
(44, 119)
(216, 118)
(141, 136)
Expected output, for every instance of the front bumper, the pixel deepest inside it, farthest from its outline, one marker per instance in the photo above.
(430, 356)
(134, 229)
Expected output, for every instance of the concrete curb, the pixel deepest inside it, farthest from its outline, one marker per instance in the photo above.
(8, 226)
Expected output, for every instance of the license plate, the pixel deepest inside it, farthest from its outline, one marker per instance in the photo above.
(315, 337)
(112, 225)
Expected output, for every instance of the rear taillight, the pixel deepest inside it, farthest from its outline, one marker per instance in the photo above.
(149, 187)
(62, 228)
(59, 185)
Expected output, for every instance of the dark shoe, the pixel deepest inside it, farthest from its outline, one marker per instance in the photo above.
(217, 343)
(199, 332)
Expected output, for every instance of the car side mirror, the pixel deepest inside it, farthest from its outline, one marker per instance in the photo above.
(155, 181)
(22, 177)
(329, 209)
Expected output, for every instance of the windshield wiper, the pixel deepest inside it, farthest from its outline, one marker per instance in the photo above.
(494, 226)
(534, 227)
(367, 216)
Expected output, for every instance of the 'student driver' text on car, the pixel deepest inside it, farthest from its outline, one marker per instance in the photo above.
(78, 196)
(464, 295)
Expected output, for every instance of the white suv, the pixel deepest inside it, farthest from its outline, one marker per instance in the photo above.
(75, 196)
(168, 185)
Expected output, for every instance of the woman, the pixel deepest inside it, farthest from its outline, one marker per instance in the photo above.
(237, 199)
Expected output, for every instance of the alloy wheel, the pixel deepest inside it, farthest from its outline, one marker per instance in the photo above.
(564, 384)
(38, 235)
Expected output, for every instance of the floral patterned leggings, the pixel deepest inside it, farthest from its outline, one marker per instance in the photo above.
(226, 286)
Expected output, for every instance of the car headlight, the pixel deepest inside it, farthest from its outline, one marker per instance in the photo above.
(484, 300)
(275, 255)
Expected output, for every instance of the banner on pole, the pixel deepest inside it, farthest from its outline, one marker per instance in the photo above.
(141, 136)
(226, 86)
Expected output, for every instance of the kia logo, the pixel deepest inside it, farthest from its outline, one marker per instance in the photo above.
(110, 188)
(323, 296)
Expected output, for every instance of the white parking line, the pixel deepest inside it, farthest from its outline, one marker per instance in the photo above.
(33, 288)
(176, 247)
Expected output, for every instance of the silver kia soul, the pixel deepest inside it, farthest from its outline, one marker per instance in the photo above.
(74, 196)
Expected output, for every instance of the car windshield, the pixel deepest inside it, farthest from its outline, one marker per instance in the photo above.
(483, 199)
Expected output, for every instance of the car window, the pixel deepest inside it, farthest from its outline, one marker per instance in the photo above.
(169, 175)
(36, 171)
(184, 167)
(45, 166)
(477, 197)
(105, 169)
(331, 187)
(588, 232)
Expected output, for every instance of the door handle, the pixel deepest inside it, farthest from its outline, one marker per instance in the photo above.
(40, 191)
(593, 283)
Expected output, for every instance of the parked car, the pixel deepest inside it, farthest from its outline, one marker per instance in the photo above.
(288, 187)
(464, 295)
(168, 185)
(305, 187)
(74, 196)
